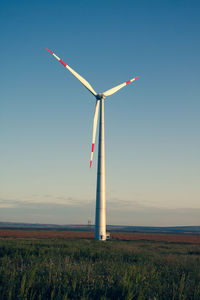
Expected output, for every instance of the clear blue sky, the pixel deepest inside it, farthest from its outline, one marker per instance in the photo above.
(152, 126)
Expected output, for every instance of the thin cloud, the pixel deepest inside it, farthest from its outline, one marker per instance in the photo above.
(69, 210)
(34, 203)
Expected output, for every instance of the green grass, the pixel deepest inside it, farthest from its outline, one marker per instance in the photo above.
(85, 269)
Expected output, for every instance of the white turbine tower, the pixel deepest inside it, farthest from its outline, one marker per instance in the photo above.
(100, 218)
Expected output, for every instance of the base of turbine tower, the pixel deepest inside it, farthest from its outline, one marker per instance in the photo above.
(100, 237)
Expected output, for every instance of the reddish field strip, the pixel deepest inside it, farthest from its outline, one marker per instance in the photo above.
(46, 234)
(49, 234)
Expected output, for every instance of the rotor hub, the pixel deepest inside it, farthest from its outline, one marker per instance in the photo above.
(100, 96)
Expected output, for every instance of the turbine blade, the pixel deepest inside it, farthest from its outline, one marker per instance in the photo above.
(118, 87)
(94, 129)
(79, 77)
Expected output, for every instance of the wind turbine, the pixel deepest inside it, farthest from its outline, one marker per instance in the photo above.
(100, 218)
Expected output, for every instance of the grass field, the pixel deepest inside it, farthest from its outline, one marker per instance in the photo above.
(52, 268)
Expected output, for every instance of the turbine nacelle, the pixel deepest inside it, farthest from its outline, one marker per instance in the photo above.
(100, 96)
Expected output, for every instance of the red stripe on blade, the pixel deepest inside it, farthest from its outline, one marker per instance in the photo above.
(127, 82)
(92, 147)
(63, 63)
(90, 163)
(49, 51)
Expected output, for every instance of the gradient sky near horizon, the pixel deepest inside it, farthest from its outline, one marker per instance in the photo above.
(152, 126)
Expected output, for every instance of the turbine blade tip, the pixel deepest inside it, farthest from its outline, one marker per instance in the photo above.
(49, 50)
(90, 164)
